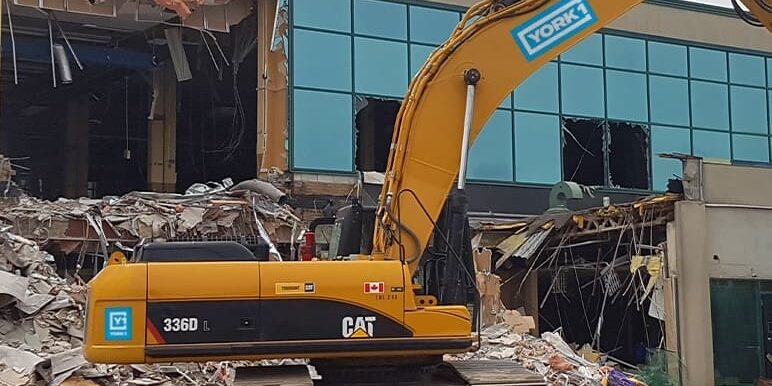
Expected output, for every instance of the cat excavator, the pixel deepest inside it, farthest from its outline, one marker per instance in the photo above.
(401, 293)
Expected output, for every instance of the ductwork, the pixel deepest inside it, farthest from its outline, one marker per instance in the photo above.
(262, 187)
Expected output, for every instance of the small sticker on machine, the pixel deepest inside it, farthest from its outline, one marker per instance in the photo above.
(553, 26)
(118, 323)
(374, 287)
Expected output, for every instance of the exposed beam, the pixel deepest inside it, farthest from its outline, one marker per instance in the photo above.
(162, 131)
(272, 95)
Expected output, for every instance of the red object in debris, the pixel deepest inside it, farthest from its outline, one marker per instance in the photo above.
(307, 249)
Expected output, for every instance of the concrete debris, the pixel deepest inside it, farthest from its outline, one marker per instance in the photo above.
(42, 330)
(254, 209)
(549, 356)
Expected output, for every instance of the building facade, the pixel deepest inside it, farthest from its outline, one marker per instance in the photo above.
(667, 77)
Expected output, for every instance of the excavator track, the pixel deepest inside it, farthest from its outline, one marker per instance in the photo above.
(455, 373)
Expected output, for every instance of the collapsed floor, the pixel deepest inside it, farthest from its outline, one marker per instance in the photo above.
(596, 276)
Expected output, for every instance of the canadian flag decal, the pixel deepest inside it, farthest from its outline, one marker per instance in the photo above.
(374, 287)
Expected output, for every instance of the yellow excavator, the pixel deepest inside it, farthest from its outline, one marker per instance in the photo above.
(402, 292)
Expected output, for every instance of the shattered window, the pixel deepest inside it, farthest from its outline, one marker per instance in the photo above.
(628, 155)
(583, 143)
(375, 119)
(594, 149)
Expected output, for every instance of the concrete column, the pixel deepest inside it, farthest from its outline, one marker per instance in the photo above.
(162, 132)
(75, 157)
(272, 91)
(692, 286)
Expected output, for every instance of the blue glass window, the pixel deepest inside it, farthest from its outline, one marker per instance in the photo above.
(669, 100)
(707, 64)
(329, 14)
(625, 53)
(667, 140)
(747, 70)
(710, 105)
(667, 59)
(322, 131)
(588, 51)
(537, 148)
(750, 148)
(710, 144)
(749, 110)
(507, 102)
(490, 158)
(582, 91)
(769, 72)
(627, 97)
(322, 60)
(540, 91)
(379, 18)
(431, 26)
(418, 55)
(380, 67)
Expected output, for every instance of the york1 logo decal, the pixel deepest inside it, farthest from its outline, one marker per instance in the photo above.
(358, 327)
(553, 26)
(118, 323)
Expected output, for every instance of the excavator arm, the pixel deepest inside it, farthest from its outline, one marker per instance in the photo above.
(505, 42)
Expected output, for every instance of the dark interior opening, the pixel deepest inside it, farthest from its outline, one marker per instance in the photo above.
(583, 156)
(375, 125)
(90, 137)
(628, 155)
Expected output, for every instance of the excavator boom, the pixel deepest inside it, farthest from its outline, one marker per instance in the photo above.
(506, 42)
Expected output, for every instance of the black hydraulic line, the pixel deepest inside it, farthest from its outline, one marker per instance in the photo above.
(746, 16)
(763, 4)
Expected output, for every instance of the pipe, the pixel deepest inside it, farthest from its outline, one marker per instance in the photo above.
(51, 48)
(65, 74)
(13, 43)
(262, 187)
(471, 77)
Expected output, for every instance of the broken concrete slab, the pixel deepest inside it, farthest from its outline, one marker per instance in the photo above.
(14, 286)
(34, 303)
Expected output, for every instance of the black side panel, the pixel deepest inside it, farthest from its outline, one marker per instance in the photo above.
(265, 320)
(319, 319)
(195, 252)
(216, 321)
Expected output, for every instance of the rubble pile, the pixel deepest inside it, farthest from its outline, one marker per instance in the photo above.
(42, 329)
(549, 356)
(214, 211)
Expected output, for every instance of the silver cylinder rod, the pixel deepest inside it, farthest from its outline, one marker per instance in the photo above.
(471, 77)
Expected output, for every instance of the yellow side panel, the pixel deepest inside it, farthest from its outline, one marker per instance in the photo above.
(337, 280)
(207, 280)
(447, 321)
(122, 340)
